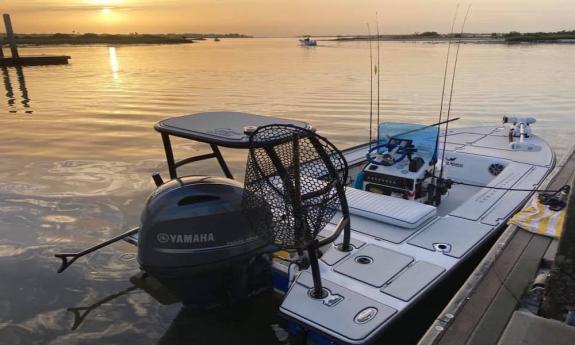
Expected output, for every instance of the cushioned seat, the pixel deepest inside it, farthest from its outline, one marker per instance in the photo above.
(403, 213)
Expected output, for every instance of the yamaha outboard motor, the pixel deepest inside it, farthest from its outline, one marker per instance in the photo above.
(193, 228)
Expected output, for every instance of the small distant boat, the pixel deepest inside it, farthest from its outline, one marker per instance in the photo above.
(308, 42)
(216, 39)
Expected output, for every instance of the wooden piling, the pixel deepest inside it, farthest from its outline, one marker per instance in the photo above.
(10, 35)
(17, 60)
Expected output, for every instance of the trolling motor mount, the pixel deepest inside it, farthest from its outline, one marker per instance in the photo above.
(520, 129)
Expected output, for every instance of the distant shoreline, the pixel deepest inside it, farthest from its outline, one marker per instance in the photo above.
(411, 38)
(116, 39)
(560, 37)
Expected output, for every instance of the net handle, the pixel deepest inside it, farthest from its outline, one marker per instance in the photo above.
(341, 225)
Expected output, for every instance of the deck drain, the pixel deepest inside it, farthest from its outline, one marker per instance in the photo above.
(364, 260)
(442, 247)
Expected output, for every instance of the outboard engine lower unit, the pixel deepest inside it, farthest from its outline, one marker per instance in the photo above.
(193, 227)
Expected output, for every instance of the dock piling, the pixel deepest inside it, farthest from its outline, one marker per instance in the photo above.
(10, 35)
(17, 60)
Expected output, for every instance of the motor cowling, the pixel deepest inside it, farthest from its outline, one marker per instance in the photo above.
(194, 225)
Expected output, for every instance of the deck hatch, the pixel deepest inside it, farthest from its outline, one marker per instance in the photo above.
(461, 234)
(413, 280)
(382, 265)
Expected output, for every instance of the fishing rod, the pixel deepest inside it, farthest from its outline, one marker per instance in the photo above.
(431, 190)
(451, 90)
(378, 71)
(445, 79)
(441, 185)
(370, 87)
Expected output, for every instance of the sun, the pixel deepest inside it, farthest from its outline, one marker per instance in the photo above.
(104, 2)
(106, 11)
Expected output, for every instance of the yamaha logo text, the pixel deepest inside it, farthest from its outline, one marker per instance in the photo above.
(185, 238)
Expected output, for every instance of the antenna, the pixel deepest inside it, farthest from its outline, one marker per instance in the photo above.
(442, 185)
(378, 74)
(370, 88)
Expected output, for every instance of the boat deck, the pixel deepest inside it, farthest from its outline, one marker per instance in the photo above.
(392, 267)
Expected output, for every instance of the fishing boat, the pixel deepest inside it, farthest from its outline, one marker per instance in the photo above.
(355, 239)
(216, 39)
(307, 42)
(410, 208)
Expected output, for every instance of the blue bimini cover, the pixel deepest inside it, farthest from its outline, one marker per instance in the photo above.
(424, 137)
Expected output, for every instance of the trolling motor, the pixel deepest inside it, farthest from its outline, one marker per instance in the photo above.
(520, 129)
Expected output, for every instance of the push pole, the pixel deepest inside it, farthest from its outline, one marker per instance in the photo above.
(10, 35)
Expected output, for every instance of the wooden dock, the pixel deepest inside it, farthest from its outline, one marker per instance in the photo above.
(39, 60)
(16, 60)
(481, 310)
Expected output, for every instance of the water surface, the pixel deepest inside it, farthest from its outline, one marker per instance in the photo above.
(78, 147)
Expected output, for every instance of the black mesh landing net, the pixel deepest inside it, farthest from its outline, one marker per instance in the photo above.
(293, 185)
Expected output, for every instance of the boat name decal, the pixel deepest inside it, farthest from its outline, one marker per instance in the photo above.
(185, 238)
(451, 162)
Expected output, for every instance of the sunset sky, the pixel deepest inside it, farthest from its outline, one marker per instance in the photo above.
(283, 17)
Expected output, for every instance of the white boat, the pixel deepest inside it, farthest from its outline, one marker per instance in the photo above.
(307, 42)
(404, 248)
(410, 229)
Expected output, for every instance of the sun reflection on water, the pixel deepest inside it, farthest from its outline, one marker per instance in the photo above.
(114, 65)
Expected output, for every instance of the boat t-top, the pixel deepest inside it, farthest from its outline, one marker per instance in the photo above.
(358, 237)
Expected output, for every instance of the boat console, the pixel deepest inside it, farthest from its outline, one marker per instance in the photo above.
(402, 161)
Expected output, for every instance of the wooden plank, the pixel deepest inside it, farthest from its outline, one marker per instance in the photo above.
(550, 253)
(490, 328)
(528, 329)
(34, 60)
(473, 310)
(525, 269)
(565, 173)
(494, 320)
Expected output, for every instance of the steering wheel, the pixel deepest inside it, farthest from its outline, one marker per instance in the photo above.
(387, 158)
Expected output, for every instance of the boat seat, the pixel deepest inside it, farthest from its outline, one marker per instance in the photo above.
(399, 212)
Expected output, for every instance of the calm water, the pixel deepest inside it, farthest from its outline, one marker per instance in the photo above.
(78, 149)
